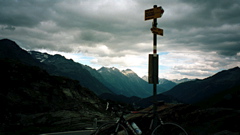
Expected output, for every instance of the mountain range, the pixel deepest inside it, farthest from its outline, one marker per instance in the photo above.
(104, 80)
(37, 95)
(125, 83)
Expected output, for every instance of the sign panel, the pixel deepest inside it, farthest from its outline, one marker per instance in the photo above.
(153, 69)
(157, 31)
(153, 13)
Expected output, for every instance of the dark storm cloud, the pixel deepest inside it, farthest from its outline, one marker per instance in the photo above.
(24, 12)
(205, 25)
(195, 13)
(88, 22)
(193, 24)
(115, 29)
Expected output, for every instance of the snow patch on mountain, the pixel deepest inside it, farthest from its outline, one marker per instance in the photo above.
(40, 56)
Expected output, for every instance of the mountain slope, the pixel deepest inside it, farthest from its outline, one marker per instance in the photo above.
(198, 90)
(225, 99)
(67, 67)
(166, 84)
(128, 85)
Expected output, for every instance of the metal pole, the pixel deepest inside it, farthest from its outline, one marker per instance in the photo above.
(156, 72)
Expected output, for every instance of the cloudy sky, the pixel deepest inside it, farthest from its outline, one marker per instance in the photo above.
(201, 37)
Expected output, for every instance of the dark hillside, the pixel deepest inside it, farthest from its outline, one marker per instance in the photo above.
(229, 98)
(33, 100)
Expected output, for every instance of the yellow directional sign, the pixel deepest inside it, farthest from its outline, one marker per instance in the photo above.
(153, 13)
(157, 31)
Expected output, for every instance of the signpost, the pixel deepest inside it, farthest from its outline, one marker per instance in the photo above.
(154, 13)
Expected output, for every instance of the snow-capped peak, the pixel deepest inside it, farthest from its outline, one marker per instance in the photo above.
(127, 72)
(106, 69)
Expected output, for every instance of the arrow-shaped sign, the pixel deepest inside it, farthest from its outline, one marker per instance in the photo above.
(153, 13)
(157, 31)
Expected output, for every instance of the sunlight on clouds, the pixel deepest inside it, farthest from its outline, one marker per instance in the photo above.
(187, 64)
(133, 60)
(104, 49)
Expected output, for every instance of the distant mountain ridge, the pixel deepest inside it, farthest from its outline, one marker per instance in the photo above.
(178, 81)
(198, 90)
(168, 84)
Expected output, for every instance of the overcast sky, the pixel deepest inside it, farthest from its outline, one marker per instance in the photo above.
(201, 37)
